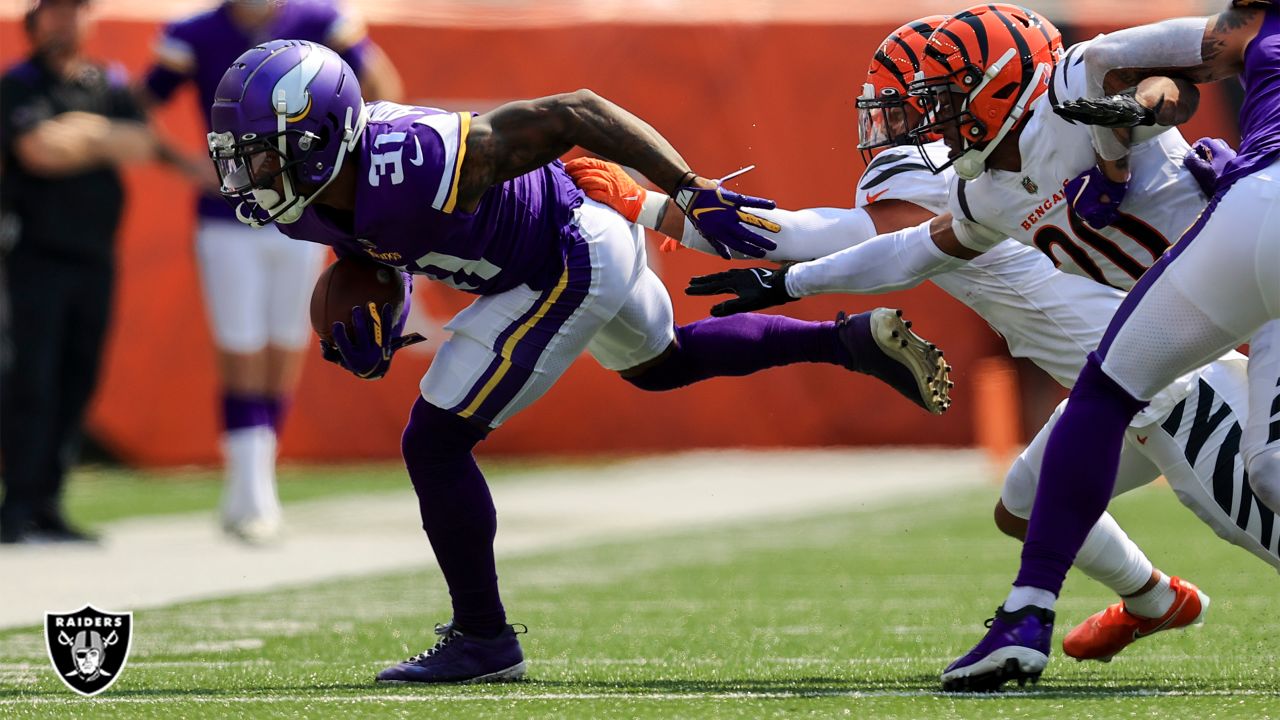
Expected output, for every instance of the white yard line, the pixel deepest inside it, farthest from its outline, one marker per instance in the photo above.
(432, 695)
(150, 562)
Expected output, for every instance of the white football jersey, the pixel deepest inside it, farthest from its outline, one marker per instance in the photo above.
(1031, 207)
(900, 173)
(1047, 316)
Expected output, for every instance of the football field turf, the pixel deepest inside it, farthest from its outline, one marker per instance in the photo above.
(850, 614)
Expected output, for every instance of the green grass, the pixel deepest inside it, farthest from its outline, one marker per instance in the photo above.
(97, 495)
(842, 615)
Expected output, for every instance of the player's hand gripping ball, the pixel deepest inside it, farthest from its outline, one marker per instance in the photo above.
(359, 309)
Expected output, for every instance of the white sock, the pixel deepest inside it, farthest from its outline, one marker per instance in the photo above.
(1111, 558)
(1153, 603)
(1023, 595)
(250, 490)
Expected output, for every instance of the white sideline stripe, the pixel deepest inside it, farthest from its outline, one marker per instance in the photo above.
(158, 561)
(429, 696)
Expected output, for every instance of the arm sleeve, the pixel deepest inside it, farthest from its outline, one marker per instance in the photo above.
(805, 234)
(978, 238)
(968, 230)
(22, 108)
(894, 261)
(124, 104)
(1168, 44)
(175, 63)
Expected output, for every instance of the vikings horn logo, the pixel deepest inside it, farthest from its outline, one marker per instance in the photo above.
(88, 647)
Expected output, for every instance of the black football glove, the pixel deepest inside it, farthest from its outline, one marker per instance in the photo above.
(1114, 111)
(757, 288)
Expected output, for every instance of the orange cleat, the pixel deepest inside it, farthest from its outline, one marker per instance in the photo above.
(1106, 633)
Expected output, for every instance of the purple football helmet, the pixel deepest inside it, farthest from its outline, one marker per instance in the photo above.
(284, 117)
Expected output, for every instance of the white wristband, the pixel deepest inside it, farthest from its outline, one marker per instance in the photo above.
(651, 208)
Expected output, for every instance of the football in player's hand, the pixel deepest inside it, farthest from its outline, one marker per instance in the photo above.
(353, 282)
(1157, 91)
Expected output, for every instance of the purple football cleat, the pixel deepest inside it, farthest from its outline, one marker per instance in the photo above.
(459, 658)
(883, 346)
(1015, 648)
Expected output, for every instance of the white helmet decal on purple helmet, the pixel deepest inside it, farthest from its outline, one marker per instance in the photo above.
(290, 95)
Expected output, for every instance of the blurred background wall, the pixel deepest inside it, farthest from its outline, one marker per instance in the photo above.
(729, 83)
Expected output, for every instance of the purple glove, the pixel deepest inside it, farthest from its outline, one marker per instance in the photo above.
(1095, 197)
(717, 214)
(375, 338)
(1207, 161)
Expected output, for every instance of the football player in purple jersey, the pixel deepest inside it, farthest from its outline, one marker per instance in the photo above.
(256, 282)
(1208, 293)
(481, 203)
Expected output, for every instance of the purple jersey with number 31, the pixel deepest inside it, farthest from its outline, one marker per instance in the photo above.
(406, 211)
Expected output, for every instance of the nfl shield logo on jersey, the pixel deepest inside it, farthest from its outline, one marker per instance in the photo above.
(88, 647)
(1030, 185)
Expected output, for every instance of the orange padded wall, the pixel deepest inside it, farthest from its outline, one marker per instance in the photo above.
(779, 96)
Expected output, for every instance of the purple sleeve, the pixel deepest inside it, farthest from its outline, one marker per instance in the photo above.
(175, 61)
(355, 55)
(22, 108)
(163, 82)
(123, 104)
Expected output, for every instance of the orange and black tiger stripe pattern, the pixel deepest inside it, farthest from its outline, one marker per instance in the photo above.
(900, 53)
(978, 36)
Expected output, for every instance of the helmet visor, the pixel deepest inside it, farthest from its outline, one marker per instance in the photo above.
(883, 122)
(243, 166)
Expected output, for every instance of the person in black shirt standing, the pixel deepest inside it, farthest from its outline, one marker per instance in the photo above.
(66, 125)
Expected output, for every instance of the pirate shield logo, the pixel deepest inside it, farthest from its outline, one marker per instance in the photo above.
(88, 647)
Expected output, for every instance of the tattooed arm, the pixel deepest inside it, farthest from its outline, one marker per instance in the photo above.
(521, 136)
(1161, 49)
(1161, 60)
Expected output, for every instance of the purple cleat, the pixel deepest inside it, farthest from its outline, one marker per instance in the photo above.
(883, 346)
(459, 658)
(1015, 648)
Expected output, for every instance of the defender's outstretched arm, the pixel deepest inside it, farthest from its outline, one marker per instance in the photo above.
(893, 261)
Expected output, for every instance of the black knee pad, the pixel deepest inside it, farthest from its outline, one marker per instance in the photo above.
(674, 371)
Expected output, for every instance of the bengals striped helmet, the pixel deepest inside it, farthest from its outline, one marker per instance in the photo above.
(886, 113)
(981, 69)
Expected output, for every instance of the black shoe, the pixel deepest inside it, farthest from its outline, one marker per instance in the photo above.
(459, 658)
(883, 346)
(53, 528)
(10, 535)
